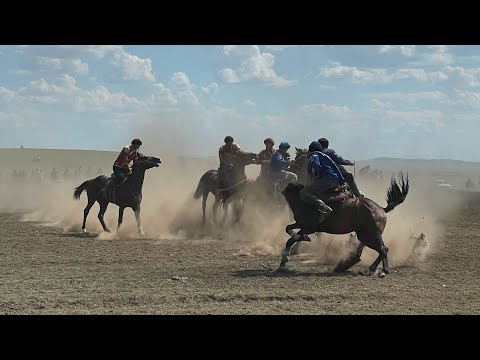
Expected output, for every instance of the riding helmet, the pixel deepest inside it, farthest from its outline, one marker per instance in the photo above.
(323, 142)
(315, 146)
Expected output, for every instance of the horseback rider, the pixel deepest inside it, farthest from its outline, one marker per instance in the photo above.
(276, 168)
(121, 167)
(227, 154)
(264, 157)
(337, 159)
(325, 175)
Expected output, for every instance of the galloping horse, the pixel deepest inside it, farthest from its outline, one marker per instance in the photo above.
(128, 194)
(208, 184)
(360, 214)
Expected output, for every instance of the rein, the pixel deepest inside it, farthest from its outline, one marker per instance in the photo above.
(231, 187)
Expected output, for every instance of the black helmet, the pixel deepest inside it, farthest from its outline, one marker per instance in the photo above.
(136, 142)
(323, 142)
(268, 141)
(228, 139)
(315, 146)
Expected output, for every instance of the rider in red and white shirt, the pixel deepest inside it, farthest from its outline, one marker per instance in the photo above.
(121, 166)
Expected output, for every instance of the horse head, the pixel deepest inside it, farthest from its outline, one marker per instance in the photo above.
(146, 162)
(300, 152)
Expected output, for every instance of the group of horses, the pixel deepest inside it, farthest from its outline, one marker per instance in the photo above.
(350, 214)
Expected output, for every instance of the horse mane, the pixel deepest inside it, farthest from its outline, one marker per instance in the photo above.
(300, 152)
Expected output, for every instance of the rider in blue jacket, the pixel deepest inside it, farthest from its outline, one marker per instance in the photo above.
(337, 159)
(325, 175)
(277, 165)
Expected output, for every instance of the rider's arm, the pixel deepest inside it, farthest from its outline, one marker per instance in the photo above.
(316, 166)
(338, 159)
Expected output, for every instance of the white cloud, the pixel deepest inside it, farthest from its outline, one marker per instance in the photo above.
(163, 94)
(184, 89)
(438, 48)
(376, 104)
(424, 119)
(211, 89)
(65, 93)
(279, 47)
(255, 66)
(228, 75)
(456, 77)
(433, 96)
(405, 50)
(249, 103)
(20, 72)
(133, 67)
(357, 75)
(64, 65)
(324, 110)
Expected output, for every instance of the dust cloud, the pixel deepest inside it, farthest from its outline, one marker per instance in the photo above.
(169, 211)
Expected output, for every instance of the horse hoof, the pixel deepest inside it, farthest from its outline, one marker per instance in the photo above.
(381, 274)
(142, 234)
(282, 269)
(365, 272)
(84, 231)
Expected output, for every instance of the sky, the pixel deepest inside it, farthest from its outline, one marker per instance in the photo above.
(370, 101)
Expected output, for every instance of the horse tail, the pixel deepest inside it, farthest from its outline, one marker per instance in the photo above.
(396, 194)
(204, 183)
(80, 189)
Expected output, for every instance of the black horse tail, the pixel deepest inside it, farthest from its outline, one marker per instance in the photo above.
(207, 183)
(396, 194)
(79, 190)
(202, 184)
(199, 190)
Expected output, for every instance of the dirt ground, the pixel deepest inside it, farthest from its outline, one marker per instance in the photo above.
(47, 266)
(47, 270)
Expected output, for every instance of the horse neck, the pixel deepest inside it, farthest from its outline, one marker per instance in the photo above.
(135, 181)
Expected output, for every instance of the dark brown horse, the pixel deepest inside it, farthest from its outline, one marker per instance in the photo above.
(360, 215)
(208, 184)
(128, 194)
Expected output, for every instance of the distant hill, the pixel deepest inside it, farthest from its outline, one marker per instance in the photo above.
(421, 165)
(60, 158)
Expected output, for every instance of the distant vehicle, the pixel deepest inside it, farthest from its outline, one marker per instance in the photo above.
(36, 159)
(442, 184)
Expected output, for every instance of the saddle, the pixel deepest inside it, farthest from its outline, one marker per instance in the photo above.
(115, 181)
(336, 195)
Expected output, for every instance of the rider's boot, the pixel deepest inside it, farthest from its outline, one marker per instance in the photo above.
(355, 190)
(318, 204)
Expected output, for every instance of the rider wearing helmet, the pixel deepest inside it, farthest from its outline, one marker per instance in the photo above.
(337, 159)
(226, 154)
(279, 161)
(121, 166)
(264, 157)
(325, 175)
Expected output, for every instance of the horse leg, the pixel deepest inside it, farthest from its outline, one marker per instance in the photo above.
(385, 258)
(204, 205)
(382, 250)
(103, 209)
(85, 214)
(137, 217)
(354, 258)
(302, 235)
(120, 216)
(216, 204)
